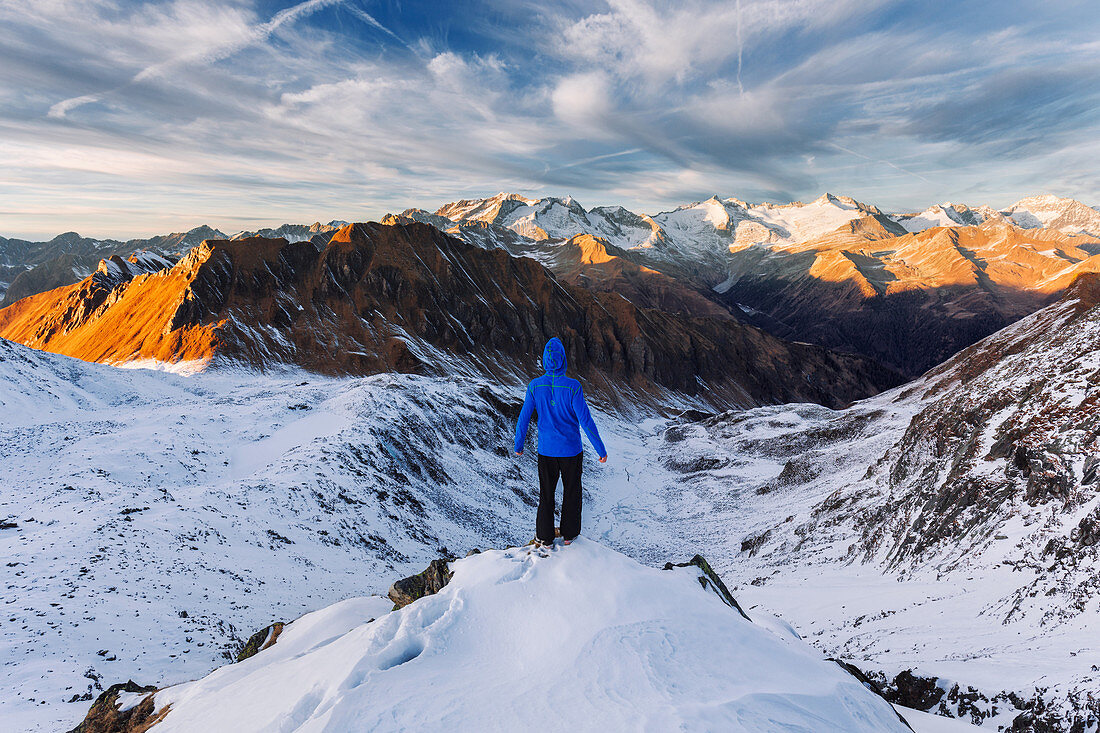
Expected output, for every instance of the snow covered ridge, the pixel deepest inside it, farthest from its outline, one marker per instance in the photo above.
(970, 497)
(582, 636)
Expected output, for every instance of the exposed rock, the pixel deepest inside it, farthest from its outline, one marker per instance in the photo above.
(261, 640)
(1080, 713)
(868, 683)
(751, 544)
(105, 717)
(710, 581)
(912, 691)
(1087, 532)
(426, 583)
(1092, 469)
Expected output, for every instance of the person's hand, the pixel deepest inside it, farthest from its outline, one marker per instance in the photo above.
(603, 459)
(519, 453)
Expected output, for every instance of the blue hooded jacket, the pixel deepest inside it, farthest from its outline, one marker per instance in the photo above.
(562, 410)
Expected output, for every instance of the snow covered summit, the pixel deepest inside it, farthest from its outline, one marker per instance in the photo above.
(577, 638)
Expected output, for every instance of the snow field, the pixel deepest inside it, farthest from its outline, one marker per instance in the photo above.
(582, 638)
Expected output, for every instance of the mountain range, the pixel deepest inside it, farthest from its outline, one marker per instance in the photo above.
(348, 420)
(835, 272)
(408, 298)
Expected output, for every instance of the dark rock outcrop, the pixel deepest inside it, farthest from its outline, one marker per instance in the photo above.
(868, 683)
(1033, 713)
(913, 691)
(710, 581)
(425, 583)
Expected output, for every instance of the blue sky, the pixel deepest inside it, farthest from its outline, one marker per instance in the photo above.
(120, 118)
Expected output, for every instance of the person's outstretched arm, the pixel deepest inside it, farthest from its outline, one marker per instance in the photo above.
(524, 420)
(584, 416)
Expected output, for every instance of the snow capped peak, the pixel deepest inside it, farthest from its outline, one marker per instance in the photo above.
(490, 210)
(1053, 212)
(825, 199)
(583, 634)
(1041, 201)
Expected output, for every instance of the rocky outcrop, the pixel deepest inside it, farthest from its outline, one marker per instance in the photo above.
(710, 581)
(869, 683)
(407, 298)
(1030, 713)
(428, 582)
(261, 640)
(105, 715)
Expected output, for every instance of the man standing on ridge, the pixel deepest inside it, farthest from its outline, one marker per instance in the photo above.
(562, 410)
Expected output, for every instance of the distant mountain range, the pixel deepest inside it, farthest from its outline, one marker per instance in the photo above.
(908, 290)
(407, 298)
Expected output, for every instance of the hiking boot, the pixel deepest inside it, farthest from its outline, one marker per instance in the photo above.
(568, 541)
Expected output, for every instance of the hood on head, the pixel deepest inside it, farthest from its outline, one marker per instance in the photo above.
(553, 357)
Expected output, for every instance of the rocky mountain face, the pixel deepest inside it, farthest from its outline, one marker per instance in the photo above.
(974, 490)
(591, 262)
(1012, 421)
(408, 298)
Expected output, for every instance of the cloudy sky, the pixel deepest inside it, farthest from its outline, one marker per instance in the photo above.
(122, 118)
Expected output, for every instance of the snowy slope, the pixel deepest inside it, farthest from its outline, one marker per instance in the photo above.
(581, 636)
(945, 215)
(161, 519)
(948, 526)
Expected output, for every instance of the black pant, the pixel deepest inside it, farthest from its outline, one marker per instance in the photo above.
(550, 467)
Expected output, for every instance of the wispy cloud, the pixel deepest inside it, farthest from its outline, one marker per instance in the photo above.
(228, 39)
(129, 117)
